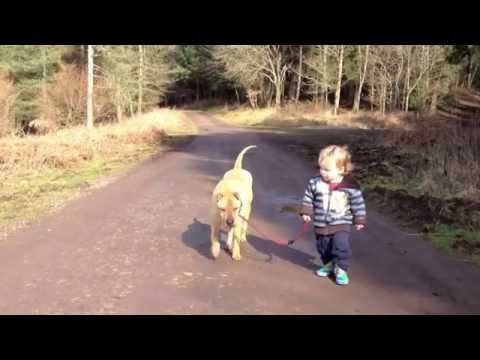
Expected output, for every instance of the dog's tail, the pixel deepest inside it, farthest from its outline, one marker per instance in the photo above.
(238, 162)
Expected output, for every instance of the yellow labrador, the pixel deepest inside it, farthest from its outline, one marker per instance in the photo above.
(231, 206)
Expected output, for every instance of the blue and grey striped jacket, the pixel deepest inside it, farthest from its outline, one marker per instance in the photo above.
(334, 210)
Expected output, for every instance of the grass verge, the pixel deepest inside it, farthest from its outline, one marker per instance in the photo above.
(39, 174)
(306, 115)
(456, 240)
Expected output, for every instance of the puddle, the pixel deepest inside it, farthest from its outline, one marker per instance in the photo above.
(288, 205)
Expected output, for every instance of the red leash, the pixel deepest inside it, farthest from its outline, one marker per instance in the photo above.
(300, 233)
(290, 242)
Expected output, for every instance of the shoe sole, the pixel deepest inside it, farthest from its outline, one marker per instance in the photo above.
(323, 275)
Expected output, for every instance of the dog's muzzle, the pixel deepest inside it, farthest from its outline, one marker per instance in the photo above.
(230, 222)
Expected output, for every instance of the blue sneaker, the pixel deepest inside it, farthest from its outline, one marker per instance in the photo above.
(325, 270)
(341, 276)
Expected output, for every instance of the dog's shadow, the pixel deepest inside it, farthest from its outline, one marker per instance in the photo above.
(197, 237)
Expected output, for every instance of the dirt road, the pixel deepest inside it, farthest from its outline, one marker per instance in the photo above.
(141, 246)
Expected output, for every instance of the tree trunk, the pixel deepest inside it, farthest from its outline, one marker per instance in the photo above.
(292, 89)
(471, 76)
(397, 95)
(140, 78)
(356, 105)
(119, 113)
(90, 88)
(278, 94)
(433, 104)
(237, 95)
(266, 93)
(398, 77)
(407, 98)
(380, 98)
(407, 82)
(197, 82)
(279, 80)
(339, 80)
(384, 97)
(299, 81)
(390, 99)
(325, 80)
(372, 90)
(382, 102)
(469, 71)
(427, 80)
(118, 105)
(84, 55)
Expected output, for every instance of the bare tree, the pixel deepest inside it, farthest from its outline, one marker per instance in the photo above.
(119, 73)
(90, 87)
(299, 81)
(338, 53)
(362, 72)
(440, 74)
(386, 65)
(419, 63)
(320, 71)
(325, 83)
(141, 62)
(251, 65)
(276, 71)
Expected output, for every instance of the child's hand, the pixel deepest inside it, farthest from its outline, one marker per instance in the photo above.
(359, 226)
(306, 218)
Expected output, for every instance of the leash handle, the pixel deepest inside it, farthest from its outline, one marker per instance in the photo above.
(300, 233)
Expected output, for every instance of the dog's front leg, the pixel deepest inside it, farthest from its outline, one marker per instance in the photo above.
(246, 217)
(236, 243)
(215, 242)
(230, 240)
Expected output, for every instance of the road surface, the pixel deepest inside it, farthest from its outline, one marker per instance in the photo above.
(141, 246)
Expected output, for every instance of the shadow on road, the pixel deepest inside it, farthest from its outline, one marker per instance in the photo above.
(387, 260)
(197, 237)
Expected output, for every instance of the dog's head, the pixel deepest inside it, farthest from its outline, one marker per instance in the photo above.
(229, 204)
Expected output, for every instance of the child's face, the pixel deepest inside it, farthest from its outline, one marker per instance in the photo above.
(329, 170)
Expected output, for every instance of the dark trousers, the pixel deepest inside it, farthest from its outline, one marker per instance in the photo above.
(335, 248)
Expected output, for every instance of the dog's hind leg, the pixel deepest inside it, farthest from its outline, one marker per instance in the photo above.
(215, 242)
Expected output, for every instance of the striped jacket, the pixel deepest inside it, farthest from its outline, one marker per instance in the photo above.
(334, 210)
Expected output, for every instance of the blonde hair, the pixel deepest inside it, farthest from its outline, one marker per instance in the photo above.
(339, 155)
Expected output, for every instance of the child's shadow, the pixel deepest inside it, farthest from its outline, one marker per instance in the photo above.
(197, 237)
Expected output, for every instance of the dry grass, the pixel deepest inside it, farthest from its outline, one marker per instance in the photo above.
(452, 168)
(69, 147)
(37, 171)
(309, 114)
(451, 149)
